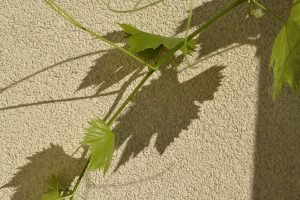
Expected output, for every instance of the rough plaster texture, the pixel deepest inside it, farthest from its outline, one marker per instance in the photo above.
(208, 132)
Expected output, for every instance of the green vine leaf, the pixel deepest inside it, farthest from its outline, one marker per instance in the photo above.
(146, 44)
(101, 141)
(54, 191)
(285, 59)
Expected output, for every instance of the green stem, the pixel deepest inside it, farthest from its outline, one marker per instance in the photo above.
(188, 26)
(79, 179)
(130, 97)
(120, 109)
(204, 26)
(159, 63)
(77, 24)
(135, 7)
(118, 47)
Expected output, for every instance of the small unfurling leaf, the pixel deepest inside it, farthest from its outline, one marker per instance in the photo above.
(257, 13)
(130, 30)
(54, 191)
(101, 141)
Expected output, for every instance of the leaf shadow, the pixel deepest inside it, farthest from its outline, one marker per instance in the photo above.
(108, 70)
(111, 68)
(164, 108)
(153, 102)
(227, 31)
(30, 182)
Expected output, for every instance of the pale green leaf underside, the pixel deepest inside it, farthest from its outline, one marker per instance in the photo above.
(53, 190)
(285, 58)
(101, 141)
(140, 41)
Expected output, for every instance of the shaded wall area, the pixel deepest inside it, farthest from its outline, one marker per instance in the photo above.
(277, 153)
(277, 148)
(30, 182)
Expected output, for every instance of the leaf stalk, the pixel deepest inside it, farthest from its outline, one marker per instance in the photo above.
(77, 24)
(271, 12)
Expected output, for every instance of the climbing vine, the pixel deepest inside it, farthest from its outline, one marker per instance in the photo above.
(154, 51)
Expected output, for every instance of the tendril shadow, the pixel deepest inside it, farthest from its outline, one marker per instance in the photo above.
(137, 6)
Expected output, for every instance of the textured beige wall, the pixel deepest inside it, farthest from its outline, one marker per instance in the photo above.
(209, 132)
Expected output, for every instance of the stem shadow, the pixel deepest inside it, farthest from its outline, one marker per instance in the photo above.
(106, 72)
(115, 36)
(230, 29)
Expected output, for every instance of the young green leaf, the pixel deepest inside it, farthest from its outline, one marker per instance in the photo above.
(139, 41)
(54, 191)
(101, 141)
(130, 30)
(257, 13)
(285, 59)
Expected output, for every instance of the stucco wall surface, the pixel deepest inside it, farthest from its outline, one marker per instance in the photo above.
(210, 131)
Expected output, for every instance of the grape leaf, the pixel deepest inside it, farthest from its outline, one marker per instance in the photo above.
(54, 191)
(140, 42)
(101, 141)
(285, 58)
(130, 30)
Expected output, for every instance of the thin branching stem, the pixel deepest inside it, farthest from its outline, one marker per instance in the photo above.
(110, 121)
(77, 24)
(203, 27)
(79, 179)
(271, 12)
(130, 97)
(135, 8)
(157, 65)
(188, 26)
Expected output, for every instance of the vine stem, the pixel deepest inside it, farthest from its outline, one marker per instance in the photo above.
(157, 65)
(130, 97)
(110, 121)
(79, 179)
(204, 26)
(188, 26)
(135, 7)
